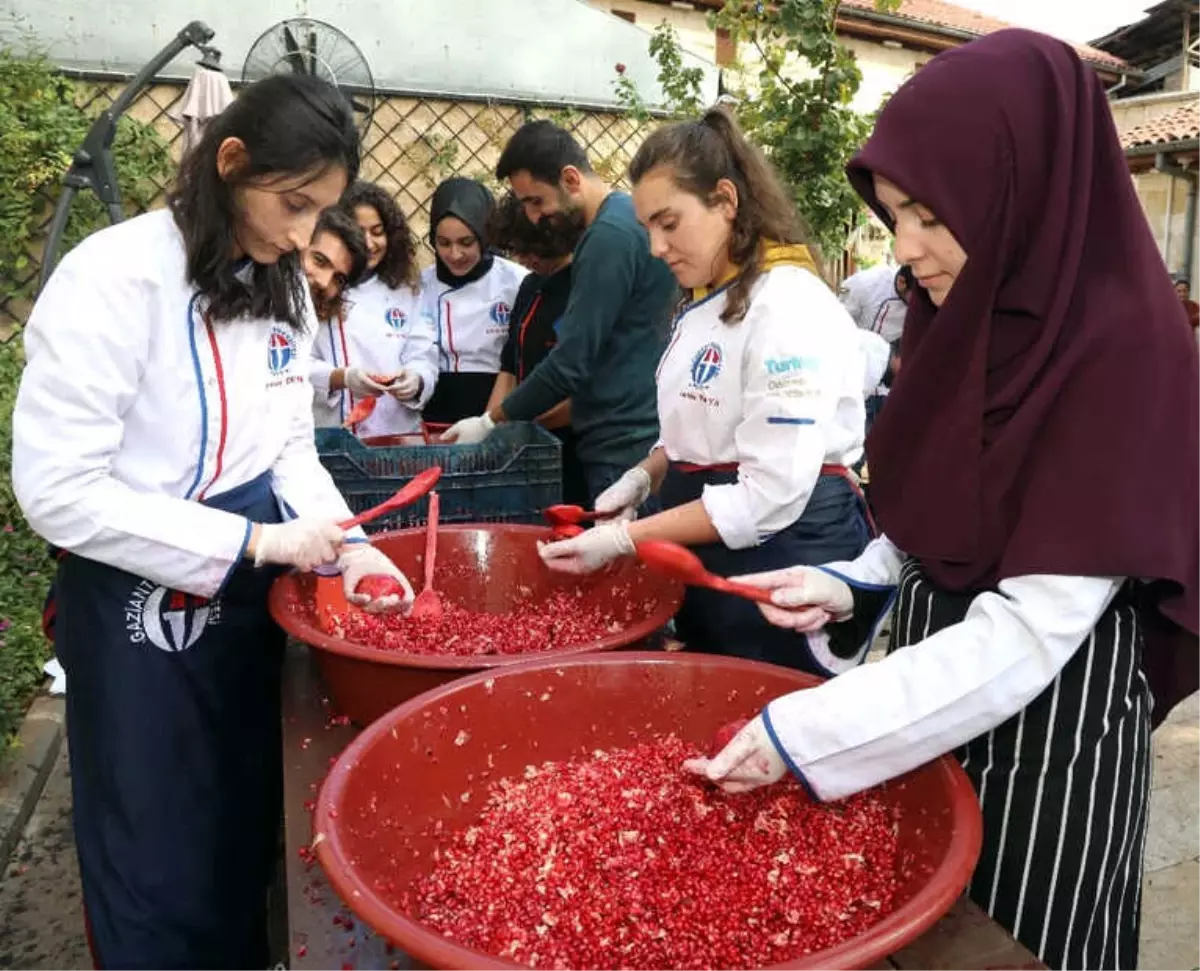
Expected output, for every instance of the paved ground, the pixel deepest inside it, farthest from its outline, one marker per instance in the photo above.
(41, 924)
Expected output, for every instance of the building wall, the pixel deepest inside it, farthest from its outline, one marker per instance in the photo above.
(695, 36)
(883, 69)
(1164, 204)
(560, 51)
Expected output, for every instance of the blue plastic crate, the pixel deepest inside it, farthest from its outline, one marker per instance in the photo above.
(508, 478)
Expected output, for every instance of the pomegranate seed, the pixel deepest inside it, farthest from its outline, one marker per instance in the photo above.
(554, 622)
(621, 860)
(302, 950)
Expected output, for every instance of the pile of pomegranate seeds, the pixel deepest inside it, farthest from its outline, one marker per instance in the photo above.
(558, 621)
(624, 861)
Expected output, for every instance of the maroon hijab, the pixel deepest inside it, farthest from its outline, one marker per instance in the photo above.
(1046, 417)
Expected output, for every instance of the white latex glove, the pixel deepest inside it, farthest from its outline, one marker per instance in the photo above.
(469, 431)
(749, 761)
(360, 560)
(626, 494)
(358, 382)
(406, 385)
(302, 543)
(804, 599)
(590, 550)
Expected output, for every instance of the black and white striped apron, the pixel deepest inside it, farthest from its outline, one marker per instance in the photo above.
(1064, 788)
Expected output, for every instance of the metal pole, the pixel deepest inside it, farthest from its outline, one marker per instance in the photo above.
(1187, 43)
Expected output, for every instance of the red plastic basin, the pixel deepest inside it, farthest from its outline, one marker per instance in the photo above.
(385, 792)
(482, 567)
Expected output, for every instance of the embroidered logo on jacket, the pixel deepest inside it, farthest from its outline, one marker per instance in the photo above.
(706, 365)
(168, 619)
(395, 317)
(281, 350)
(499, 312)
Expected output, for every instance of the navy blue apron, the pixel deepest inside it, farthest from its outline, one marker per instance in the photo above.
(832, 527)
(173, 713)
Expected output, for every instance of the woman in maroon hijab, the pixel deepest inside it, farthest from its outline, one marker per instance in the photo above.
(1035, 475)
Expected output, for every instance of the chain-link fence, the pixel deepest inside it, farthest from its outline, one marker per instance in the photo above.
(414, 142)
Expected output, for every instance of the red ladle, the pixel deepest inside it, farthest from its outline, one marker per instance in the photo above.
(413, 490)
(565, 514)
(428, 606)
(681, 563)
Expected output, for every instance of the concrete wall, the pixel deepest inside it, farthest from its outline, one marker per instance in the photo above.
(559, 51)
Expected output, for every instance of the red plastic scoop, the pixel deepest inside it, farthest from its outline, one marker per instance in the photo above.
(428, 606)
(565, 514)
(684, 565)
(360, 412)
(413, 490)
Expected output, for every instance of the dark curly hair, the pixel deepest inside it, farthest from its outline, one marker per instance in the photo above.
(290, 125)
(510, 230)
(700, 154)
(399, 265)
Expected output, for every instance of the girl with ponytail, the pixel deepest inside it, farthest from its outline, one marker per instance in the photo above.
(759, 395)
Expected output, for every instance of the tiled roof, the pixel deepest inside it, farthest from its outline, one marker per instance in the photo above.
(1179, 125)
(938, 13)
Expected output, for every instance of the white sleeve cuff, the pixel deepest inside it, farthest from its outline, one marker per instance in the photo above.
(729, 509)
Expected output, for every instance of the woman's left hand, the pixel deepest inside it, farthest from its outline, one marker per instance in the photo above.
(590, 550)
(359, 560)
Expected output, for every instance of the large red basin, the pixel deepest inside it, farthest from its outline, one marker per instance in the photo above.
(386, 791)
(483, 567)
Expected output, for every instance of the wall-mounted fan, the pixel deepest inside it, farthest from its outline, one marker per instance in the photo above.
(304, 46)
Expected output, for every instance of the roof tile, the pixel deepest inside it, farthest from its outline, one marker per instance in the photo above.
(939, 13)
(1178, 125)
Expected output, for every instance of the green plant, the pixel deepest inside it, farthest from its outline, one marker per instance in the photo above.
(41, 126)
(25, 571)
(794, 102)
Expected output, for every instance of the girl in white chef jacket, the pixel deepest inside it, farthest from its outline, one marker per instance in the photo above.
(760, 395)
(163, 443)
(380, 346)
(467, 297)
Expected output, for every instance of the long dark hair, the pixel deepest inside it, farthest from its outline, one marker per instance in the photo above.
(700, 154)
(290, 125)
(399, 264)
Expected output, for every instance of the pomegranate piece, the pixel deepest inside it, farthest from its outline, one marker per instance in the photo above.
(621, 860)
(725, 735)
(384, 379)
(378, 585)
(566, 531)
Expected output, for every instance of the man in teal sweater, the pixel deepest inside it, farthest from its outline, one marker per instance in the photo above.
(615, 327)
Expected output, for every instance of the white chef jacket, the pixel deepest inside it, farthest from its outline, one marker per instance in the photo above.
(949, 688)
(877, 354)
(470, 323)
(871, 299)
(382, 331)
(779, 393)
(132, 408)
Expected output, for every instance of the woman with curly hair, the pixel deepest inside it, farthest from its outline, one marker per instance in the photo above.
(379, 346)
(546, 251)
